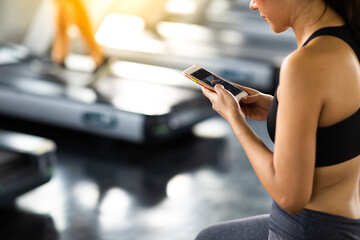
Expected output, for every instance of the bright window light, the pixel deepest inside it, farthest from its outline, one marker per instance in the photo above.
(184, 31)
(127, 32)
(119, 27)
(180, 6)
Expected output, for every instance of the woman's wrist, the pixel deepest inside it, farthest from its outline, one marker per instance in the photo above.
(238, 124)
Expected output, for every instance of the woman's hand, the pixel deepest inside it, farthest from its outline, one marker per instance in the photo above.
(224, 103)
(256, 105)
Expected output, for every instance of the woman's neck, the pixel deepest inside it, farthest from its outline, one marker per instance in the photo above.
(315, 16)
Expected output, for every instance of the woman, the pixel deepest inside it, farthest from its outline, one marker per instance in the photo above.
(68, 13)
(313, 175)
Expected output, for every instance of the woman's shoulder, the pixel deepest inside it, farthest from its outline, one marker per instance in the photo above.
(322, 53)
(325, 58)
(305, 66)
(322, 70)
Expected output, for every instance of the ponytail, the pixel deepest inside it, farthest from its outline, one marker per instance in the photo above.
(349, 10)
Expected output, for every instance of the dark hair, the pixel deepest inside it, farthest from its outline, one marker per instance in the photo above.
(349, 10)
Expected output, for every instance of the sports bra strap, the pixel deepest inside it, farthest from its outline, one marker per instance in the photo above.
(342, 32)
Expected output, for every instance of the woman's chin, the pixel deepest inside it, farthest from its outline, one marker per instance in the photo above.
(277, 29)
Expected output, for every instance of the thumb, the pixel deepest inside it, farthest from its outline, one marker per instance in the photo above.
(251, 98)
(219, 88)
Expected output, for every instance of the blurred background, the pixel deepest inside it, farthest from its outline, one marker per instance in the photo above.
(101, 135)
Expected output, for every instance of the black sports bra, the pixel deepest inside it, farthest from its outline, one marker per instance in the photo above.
(341, 141)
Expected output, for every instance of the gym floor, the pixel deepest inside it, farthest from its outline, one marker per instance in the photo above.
(104, 189)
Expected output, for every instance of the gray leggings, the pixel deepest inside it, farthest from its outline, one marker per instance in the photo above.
(252, 228)
(307, 224)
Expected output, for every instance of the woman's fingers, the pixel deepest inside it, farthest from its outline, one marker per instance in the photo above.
(219, 88)
(208, 93)
(250, 99)
(220, 91)
(246, 89)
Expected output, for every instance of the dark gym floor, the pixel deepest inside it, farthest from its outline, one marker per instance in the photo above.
(112, 190)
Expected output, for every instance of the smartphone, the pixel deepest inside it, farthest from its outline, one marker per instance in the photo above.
(208, 79)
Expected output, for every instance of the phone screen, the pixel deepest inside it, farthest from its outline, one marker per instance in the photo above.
(211, 80)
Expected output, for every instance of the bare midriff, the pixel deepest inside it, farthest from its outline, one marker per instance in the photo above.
(336, 189)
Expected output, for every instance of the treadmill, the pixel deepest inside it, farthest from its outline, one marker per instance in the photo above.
(117, 107)
(140, 95)
(26, 162)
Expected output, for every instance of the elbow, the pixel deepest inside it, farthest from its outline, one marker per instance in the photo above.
(292, 205)
(291, 209)
(294, 197)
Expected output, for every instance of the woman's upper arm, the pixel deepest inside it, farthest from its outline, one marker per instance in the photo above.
(298, 114)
